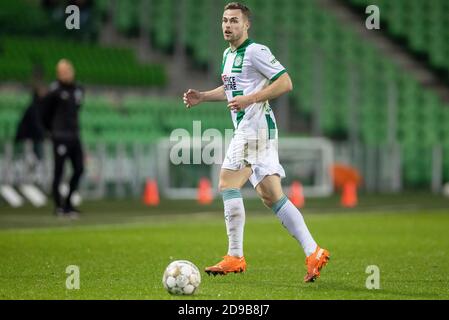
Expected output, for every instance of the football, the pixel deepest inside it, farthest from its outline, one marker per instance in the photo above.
(181, 277)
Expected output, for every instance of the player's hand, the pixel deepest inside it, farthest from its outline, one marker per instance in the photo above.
(240, 103)
(192, 98)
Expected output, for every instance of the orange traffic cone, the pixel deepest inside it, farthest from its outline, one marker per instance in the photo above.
(151, 193)
(205, 195)
(349, 195)
(296, 194)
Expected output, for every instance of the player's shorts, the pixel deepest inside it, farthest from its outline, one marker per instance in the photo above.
(255, 149)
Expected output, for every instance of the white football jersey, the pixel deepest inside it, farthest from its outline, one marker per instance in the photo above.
(247, 70)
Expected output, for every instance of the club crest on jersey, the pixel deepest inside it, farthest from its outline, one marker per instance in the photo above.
(238, 61)
(64, 95)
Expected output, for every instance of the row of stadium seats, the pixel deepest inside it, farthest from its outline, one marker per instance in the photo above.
(131, 120)
(23, 17)
(113, 66)
(22, 47)
(423, 24)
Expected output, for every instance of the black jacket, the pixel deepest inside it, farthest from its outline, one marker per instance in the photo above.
(60, 110)
(30, 126)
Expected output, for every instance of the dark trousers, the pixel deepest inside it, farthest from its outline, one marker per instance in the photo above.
(63, 149)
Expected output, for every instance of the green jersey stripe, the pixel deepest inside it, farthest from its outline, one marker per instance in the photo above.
(271, 127)
(241, 113)
(278, 75)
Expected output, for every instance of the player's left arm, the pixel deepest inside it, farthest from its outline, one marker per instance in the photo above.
(280, 86)
(263, 61)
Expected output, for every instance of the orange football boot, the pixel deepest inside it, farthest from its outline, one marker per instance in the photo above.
(227, 265)
(315, 262)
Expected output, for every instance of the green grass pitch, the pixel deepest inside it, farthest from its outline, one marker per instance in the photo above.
(122, 249)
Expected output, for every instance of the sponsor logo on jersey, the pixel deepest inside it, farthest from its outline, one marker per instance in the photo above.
(229, 82)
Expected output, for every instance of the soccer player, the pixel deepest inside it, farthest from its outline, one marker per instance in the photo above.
(251, 76)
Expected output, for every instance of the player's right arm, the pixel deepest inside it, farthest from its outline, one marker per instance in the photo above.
(194, 97)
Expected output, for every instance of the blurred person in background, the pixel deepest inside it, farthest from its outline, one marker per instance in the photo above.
(60, 115)
(30, 126)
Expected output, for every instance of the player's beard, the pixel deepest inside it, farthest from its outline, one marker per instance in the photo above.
(234, 38)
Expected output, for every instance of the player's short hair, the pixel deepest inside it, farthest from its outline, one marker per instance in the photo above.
(239, 6)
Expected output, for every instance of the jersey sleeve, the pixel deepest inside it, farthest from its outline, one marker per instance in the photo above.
(266, 63)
